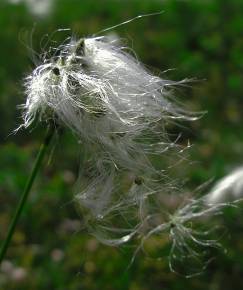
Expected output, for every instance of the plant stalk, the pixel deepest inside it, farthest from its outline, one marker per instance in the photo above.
(36, 167)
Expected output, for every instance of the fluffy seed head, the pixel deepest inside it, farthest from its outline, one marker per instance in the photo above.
(111, 102)
(119, 110)
(229, 188)
(191, 231)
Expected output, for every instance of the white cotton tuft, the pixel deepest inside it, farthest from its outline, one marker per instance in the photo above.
(191, 231)
(120, 112)
(229, 188)
(93, 77)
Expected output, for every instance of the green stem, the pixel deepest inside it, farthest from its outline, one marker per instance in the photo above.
(40, 156)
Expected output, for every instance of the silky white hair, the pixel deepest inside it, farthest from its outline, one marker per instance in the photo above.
(119, 111)
(229, 188)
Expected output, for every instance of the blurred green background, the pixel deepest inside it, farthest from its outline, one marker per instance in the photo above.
(197, 39)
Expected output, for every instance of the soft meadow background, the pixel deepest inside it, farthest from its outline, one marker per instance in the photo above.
(198, 39)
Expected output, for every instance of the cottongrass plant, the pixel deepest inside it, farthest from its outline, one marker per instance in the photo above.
(119, 111)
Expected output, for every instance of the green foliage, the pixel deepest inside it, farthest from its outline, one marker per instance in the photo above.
(200, 39)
